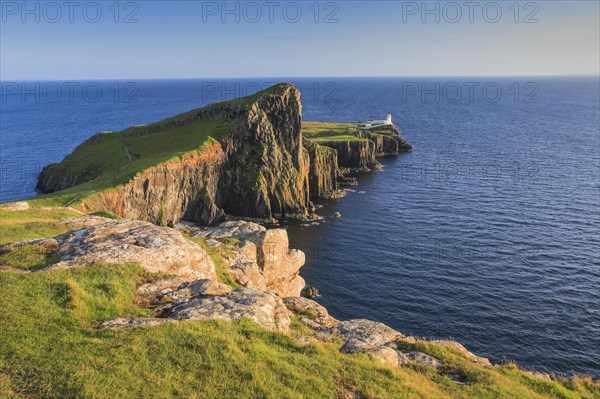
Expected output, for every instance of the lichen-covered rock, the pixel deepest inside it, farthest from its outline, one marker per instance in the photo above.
(132, 322)
(249, 275)
(49, 245)
(280, 266)
(419, 358)
(264, 260)
(240, 229)
(264, 308)
(385, 355)
(84, 221)
(312, 310)
(156, 249)
(176, 290)
(362, 335)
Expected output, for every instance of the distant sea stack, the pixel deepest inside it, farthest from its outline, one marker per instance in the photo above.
(255, 164)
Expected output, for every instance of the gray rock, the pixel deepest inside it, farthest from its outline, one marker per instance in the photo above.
(156, 249)
(249, 275)
(176, 290)
(418, 357)
(264, 308)
(363, 335)
(85, 221)
(132, 322)
(385, 355)
(302, 306)
(213, 243)
(264, 260)
(239, 229)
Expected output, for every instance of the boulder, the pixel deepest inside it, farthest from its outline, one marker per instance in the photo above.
(176, 290)
(419, 358)
(310, 292)
(362, 335)
(316, 312)
(280, 265)
(264, 308)
(385, 355)
(156, 249)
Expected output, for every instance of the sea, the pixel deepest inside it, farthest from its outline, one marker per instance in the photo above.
(488, 233)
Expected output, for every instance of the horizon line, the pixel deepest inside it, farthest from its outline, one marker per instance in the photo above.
(307, 77)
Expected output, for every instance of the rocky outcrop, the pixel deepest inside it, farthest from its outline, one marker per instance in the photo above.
(312, 311)
(240, 229)
(263, 259)
(388, 144)
(264, 308)
(362, 335)
(177, 290)
(156, 249)
(360, 154)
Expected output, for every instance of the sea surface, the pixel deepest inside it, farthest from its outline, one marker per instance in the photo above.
(488, 233)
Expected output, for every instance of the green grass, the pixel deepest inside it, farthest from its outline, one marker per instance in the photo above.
(216, 255)
(37, 222)
(50, 349)
(324, 132)
(104, 157)
(106, 214)
(28, 257)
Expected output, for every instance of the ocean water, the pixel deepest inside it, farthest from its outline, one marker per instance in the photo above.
(488, 233)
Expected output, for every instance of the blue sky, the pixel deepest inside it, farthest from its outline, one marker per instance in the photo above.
(189, 39)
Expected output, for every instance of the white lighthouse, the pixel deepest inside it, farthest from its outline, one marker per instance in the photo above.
(389, 118)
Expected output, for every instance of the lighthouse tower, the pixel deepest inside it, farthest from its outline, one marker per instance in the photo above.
(389, 118)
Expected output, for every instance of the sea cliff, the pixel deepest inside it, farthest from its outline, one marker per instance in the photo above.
(255, 164)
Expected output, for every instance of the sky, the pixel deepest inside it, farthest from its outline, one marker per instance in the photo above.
(51, 40)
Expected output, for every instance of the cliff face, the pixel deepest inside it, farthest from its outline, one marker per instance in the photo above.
(361, 154)
(168, 193)
(265, 173)
(324, 170)
(258, 169)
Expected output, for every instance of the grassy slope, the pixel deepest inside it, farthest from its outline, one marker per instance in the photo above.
(34, 223)
(323, 132)
(50, 349)
(106, 153)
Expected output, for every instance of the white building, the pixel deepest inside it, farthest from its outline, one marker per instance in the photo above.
(379, 122)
